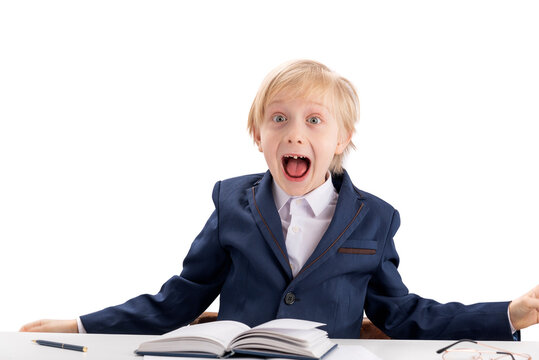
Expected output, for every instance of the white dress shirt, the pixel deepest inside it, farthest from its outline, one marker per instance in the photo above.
(304, 220)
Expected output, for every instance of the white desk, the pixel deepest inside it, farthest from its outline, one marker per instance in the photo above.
(18, 346)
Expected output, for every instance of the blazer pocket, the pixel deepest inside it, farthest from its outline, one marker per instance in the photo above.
(360, 247)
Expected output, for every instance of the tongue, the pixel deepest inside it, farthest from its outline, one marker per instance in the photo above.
(296, 167)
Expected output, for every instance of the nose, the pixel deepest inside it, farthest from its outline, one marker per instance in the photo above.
(295, 134)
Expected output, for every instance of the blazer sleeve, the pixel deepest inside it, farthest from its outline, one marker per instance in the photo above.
(403, 315)
(181, 299)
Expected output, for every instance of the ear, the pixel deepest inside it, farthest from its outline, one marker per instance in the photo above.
(257, 139)
(343, 143)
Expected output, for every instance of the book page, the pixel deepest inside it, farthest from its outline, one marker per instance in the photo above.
(220, 331)
(212, 337)
(297, 337)
(289, 324)
(284, 336)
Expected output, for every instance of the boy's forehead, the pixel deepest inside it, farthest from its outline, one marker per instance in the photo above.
(315, 99)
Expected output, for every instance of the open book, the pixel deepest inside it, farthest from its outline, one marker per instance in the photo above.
(282, 338)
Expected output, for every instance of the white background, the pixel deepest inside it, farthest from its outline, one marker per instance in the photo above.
(117, 117)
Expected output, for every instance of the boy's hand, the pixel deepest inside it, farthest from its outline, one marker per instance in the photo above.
(60, 326)
(524, 311)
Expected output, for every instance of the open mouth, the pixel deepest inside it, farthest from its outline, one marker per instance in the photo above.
(296, 166)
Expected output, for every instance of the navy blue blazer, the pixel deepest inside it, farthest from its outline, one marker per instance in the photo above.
(241, 254)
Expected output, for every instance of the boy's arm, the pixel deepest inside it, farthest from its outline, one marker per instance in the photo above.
(524, 311)
(181, 299)
(403, 315)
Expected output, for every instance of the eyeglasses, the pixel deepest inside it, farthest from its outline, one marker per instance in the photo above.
(490, 353)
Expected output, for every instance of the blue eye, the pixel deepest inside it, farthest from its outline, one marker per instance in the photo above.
(279, 118)
(314, 120)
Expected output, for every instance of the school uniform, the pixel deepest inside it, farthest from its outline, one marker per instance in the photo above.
(241, 254)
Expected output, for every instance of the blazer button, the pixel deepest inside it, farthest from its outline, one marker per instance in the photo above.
(289, 298)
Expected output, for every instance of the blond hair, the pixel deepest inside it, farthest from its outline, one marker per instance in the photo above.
(303, 78)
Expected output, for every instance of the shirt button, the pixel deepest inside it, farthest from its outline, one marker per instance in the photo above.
(296, 229)
(289, 298)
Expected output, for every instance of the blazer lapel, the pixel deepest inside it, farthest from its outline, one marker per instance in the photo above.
(349, 212)
(267, 219)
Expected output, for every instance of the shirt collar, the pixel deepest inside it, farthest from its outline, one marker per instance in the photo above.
(318, 199)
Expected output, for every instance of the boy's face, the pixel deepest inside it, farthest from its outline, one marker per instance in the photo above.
(299, 137)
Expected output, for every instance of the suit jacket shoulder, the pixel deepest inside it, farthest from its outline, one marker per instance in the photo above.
(236, 186)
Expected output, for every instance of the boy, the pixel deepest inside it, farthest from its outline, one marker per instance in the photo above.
(301, 241)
